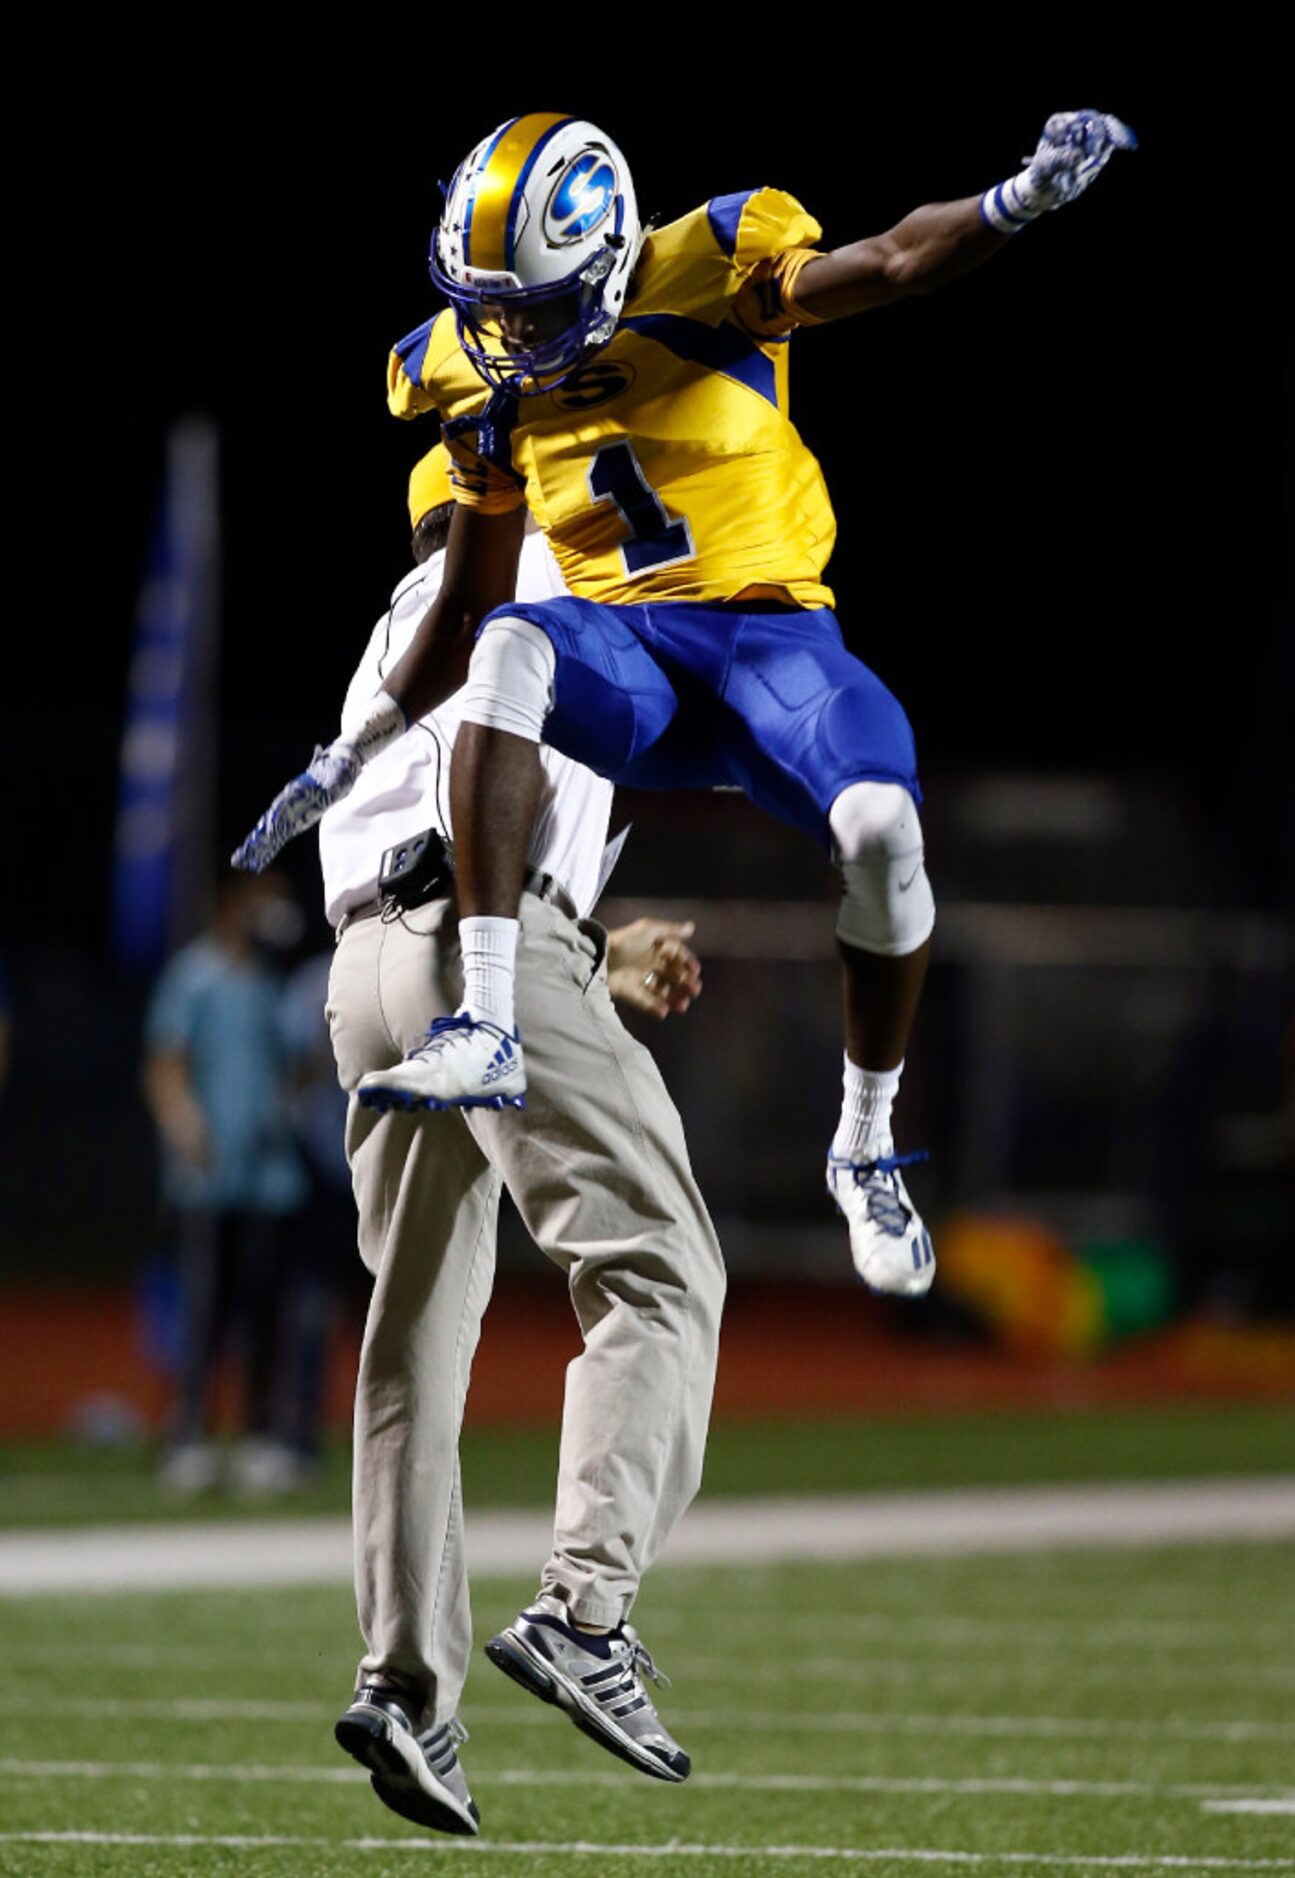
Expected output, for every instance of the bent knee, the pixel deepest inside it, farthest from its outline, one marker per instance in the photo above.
(875, 818)
(887, 906)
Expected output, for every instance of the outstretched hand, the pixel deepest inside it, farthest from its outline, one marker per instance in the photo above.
(651, 966)
(329, 776)
(1072, 152)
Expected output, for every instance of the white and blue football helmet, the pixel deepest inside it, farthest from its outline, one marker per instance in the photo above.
(543, 209)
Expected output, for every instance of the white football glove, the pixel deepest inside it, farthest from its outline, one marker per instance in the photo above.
(1074, 149)
(329, 776)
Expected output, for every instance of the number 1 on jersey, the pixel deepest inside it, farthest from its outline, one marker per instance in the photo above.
(616, 476)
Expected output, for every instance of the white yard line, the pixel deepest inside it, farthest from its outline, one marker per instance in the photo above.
(1286, 1805)
(586, 1848)
(1217, 1796)
(257, 1774)
(739, 1720)
(716, 1532)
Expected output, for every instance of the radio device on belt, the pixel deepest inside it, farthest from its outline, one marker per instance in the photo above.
(415, 870)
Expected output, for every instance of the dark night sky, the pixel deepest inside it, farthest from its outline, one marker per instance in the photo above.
(1049, 480)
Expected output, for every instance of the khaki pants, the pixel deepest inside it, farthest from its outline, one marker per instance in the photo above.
(598, 1168)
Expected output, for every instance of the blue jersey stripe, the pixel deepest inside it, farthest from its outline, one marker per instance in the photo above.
(412, 350)
(720, 348)
(481, 170)
(724, 214)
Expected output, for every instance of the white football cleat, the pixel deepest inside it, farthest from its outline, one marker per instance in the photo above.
(891, 1246)
(461, 1063)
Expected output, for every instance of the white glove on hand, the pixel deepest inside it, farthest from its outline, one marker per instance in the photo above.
(329, 776)
(1074, 148)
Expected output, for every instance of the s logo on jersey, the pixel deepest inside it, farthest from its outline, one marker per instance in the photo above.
(581, 198)
(594, 384)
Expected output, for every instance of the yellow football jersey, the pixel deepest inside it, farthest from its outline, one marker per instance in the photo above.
(666, 467)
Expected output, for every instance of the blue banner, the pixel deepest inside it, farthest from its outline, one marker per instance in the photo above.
(163, 865)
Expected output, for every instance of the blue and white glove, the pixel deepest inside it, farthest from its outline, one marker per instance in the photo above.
(1074, 149)
(329, 776)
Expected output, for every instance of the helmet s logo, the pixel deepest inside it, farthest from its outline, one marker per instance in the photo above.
(581, 199)
(594, 384)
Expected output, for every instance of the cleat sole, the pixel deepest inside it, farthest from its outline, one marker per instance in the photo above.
(383, 1100)
(909, 1295)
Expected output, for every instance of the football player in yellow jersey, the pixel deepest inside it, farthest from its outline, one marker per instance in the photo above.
(630, 389)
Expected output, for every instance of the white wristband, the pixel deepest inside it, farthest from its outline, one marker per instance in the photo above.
(376, 724)
(1011, 206)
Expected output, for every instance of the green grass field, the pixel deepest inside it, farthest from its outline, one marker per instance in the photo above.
(46, 1484)
(1071, 1711)
(1061, 1711)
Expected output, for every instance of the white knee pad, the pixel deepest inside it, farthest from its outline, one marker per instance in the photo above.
(887, 905)
(510, 678)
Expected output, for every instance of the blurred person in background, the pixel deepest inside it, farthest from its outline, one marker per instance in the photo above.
(323, 1274)
(215, 1080)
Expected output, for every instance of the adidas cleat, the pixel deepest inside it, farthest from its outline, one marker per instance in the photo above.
(416, 1775)
(596, 1680)
(891, 1247)
(460, 1064)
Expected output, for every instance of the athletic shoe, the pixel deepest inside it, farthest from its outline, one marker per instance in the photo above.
(596, 1680)
(416, 1775)
(460, 1064)
(191, 1468)
(891, 1247)
(261, 1469)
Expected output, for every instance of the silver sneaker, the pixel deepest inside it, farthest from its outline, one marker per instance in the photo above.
(596, 1680)
(416, 1775)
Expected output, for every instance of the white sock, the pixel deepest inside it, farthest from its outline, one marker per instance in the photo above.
(863, 1132)
(489, 961)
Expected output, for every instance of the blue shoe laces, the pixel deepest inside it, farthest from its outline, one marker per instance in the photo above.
(458, 1025)
(885, 1208)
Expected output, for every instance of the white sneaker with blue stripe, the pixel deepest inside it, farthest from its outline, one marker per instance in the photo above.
(596, 1680)
(416, 1775)
(462, 1063)
(891, 1247)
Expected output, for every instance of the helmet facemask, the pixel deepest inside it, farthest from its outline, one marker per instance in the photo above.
(587, 217)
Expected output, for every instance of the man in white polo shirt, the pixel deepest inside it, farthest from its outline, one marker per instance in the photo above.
(597, 1165)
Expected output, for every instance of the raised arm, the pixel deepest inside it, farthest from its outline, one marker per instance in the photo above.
(935, 244)
(929, 248)
(481, 555)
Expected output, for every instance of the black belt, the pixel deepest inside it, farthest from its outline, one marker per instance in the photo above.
(543, 886)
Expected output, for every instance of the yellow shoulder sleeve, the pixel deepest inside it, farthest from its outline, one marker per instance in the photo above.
(769, 221)
(773, 238)
(414, 364)
(702, 265)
